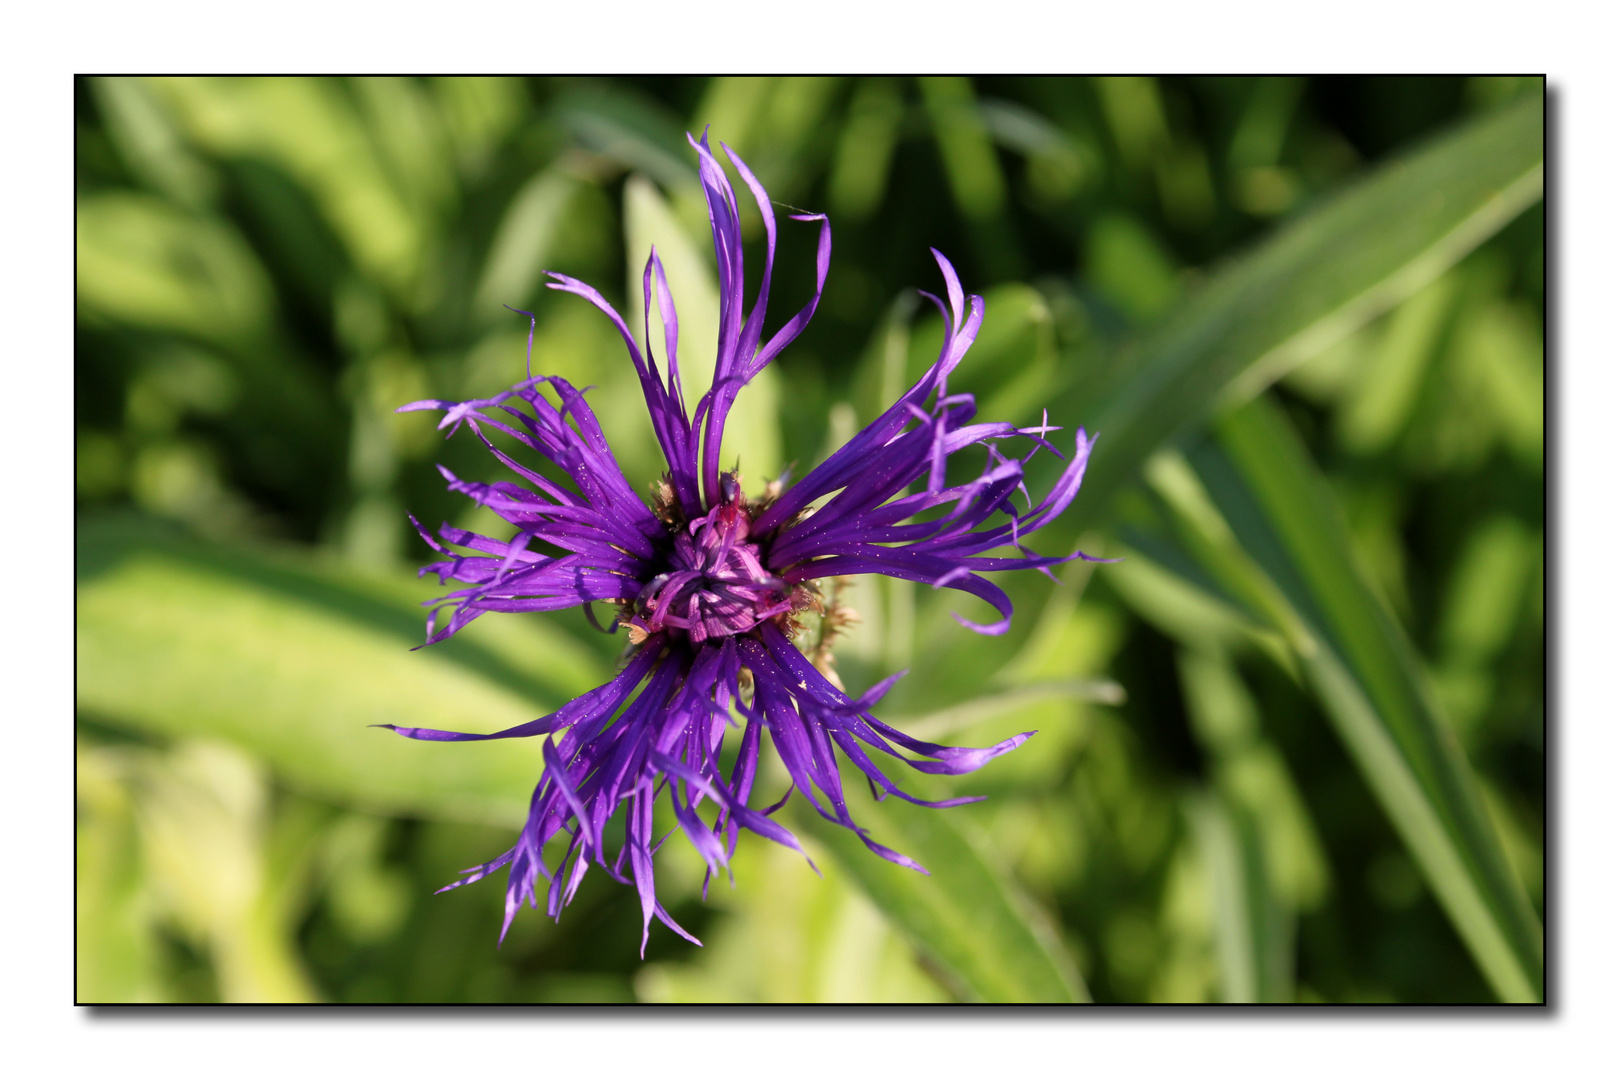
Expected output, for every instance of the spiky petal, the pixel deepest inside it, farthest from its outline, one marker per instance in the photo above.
(709, 583)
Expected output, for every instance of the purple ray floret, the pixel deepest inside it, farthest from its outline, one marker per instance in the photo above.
(711, 585)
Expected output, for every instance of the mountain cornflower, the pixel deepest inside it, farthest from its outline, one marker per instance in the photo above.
(711, 584)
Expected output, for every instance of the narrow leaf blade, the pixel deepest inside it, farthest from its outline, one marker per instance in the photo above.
(1369, 678)
(1318, 279)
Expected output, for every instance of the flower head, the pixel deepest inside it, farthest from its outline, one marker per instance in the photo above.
(710, 584)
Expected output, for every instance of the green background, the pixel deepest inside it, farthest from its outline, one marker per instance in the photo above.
(1291, 747)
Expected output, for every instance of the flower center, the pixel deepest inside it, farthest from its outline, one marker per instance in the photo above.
(716, 585)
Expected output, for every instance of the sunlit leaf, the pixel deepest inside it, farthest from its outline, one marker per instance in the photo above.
(967, 916)
(792, 935)
(522, 244)
(948, 722)
(312, 129)
(149, 263)
(293, 662)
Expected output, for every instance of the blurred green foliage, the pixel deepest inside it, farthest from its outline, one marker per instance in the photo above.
(1291, 747)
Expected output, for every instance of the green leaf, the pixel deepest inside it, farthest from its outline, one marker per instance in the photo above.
(628, 128)
(1259, 849)
(946, 723)
(1252, 777)
(1253, 931)
(314, 130)
(1314, 282)
(523, 242)
(292, 662)
(150, 264)
(790, 934)
(985, 938)
(1370, 680)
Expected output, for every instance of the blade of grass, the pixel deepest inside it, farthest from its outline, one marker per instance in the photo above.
(1318, 279)
(1253, 932)
(1369, 679)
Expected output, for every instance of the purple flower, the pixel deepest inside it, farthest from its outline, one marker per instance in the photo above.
(711, 584)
